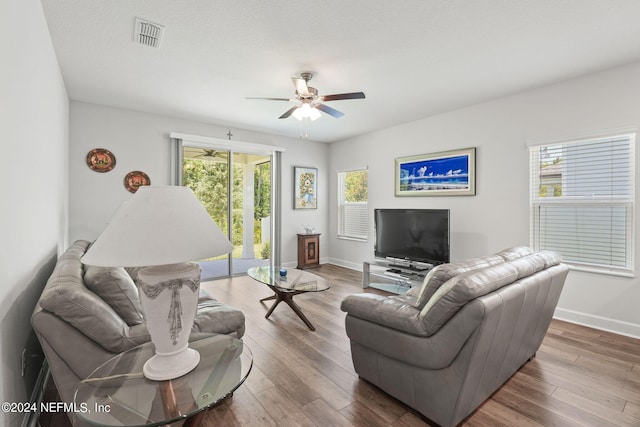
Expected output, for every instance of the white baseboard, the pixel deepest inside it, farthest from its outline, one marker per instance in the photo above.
(294, 264)
(346, 264)
(597, 322)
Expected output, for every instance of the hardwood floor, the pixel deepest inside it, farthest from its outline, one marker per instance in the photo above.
(580, 376)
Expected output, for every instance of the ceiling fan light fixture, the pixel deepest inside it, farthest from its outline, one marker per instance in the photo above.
(298, 113)
(309, 104)
(306, 111)
(314, 114)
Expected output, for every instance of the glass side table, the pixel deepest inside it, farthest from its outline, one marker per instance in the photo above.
(117, 393)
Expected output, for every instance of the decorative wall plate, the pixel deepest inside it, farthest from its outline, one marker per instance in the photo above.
(135, 180)
(101, 160)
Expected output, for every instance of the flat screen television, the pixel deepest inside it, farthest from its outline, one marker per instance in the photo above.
(410, 236)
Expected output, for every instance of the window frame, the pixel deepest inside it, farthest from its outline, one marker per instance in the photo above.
(341, 234)
(537, 203)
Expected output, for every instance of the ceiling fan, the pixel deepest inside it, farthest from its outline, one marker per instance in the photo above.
(309, 102)
(204, 153)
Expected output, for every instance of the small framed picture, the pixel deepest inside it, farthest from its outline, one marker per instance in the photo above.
(305, 189)
(447, 173)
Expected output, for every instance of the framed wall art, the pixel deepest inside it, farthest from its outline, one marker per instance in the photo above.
(447, 173)
(305, 195)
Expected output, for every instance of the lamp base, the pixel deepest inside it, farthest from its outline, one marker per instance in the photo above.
(169, 298)
(169, 366)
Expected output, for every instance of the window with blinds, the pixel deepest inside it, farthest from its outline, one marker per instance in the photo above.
(582, 201)
(353, 216)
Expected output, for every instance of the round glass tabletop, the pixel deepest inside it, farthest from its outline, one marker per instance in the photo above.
(118, 394)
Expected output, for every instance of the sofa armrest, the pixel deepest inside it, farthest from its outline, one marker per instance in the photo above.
(394, 312)
(427, 352)
(215, 317)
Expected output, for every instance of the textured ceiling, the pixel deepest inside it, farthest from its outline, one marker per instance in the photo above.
(412, 58)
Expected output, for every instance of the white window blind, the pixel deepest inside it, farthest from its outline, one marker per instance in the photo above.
(353, 219)
(582, 201)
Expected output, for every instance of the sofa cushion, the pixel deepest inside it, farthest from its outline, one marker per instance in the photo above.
(459, 290)
(214, 316)
(515, 252)
(116, 288)
(66, 296)
(528, 265)
(442, 273)
(455, 293)
(549, 258)
(133, 272)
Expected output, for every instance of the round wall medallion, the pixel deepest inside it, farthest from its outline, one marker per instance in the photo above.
(101, 160)
(135, 180)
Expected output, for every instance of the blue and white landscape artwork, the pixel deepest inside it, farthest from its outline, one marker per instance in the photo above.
(447, 173)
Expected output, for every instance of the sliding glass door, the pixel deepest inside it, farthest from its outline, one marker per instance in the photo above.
(239, 189)
(251, 211)
(206, 172)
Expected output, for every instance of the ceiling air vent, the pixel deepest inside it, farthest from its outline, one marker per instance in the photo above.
(147, 33)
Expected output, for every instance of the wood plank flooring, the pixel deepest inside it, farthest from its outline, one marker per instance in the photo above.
(580, 376)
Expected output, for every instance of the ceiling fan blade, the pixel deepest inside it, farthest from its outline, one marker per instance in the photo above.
(352, 95)
(273, 99)
(330, 111)
(301, 86)
(288, 112)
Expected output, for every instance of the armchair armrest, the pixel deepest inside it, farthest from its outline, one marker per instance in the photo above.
(396, 312)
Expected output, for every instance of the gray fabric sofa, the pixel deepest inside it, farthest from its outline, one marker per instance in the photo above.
(86, 315)
(445, 347)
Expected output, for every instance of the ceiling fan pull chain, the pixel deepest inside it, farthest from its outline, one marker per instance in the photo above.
(303, 129)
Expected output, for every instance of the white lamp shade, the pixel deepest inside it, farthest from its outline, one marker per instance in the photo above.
(160, 225)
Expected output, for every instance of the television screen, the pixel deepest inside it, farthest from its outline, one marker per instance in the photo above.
(420, 235)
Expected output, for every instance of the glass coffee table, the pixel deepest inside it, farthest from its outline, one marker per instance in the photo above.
(286, 287)
(118, 394)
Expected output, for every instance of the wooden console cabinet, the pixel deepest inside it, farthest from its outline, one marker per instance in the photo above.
(308, 251)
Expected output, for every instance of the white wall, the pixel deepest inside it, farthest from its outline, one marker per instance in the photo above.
(498, 216)
(140, 141)
(34, 117)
